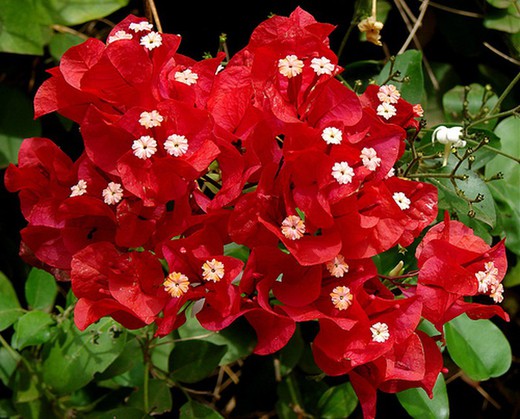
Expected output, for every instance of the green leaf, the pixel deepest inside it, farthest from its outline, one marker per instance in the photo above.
(479, 358)
(337, 402)
(159, 397)
(501, 4)
(40, 290)
(237, 251)
(75, 12)
(291, 353)
(61, 42)
(418, 405)
(124, 362)
(121, 413)
(239, 338)
(194, 360)
(73, 357)
(8, 362)
(194, 409)
(7, 409)
(33, 328)
(409, 64)
(513, 277)
(505, 20)
(16, 123)
(453, 100)
(20, 33)
(10, 309)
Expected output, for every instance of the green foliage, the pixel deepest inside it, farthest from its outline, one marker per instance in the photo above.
(419, 405)
(480, 358)
(10, 309)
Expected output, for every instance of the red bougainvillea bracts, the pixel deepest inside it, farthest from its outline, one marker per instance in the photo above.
(268, 151)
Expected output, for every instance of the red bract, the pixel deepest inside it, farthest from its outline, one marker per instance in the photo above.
(474, 269)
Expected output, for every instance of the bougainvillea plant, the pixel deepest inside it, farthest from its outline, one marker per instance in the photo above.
(258, 188)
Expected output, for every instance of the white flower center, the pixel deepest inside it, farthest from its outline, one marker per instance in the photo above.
(341, 297)
(141, 26)
(79, 188)
(120, 35)
(380, 332)
(332, 135)
(370, 159)
(401, 200)
(293, 227)
(388, 94)
(186, 77)
(144, 147)
(150, 119)
(176, 284)
(151, 41)
(176, 145)
(113, 193)
(290, 66)
(213, 270)
(386, 110)
(338, 267)
(342, 172)
(322, 66)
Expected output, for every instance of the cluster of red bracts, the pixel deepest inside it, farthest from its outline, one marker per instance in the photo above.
(270, 152)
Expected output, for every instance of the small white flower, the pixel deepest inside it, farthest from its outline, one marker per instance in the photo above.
(322, 66)
(401, 200)
(497, 292)
(342, 172)
(293, 227)
(341, 297)
(487, 278)
(144, 147)
(338, 267)
(332, 135)
(152, 40)
(79, 188)
(113, 193)
(386, 110)
(213, 270)
(380, 332)
(391, 173)
(449, 136)
(186, 77)
(290, 66)
(141, 26)
(150, 119)
(120, 35)
(370, 159)
(388, 94)
(176, 145)
(418, 111)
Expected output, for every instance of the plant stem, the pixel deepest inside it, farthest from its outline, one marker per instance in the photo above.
(435, 175)
(505, 93)
(496, 151)
(494, 116)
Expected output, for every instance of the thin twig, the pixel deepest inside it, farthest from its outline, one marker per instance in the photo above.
(66, 29)
(151, 5)
(456, 11)
(501, 54)
(418, 23)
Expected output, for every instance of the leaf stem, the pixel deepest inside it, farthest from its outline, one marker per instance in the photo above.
(505, 93)
(494, 116)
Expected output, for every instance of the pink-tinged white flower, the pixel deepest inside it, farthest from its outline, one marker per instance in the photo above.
(332, 135)
(322, 66)
(144, 147)
(418, 111)
(338, 267)
(176, 145)
(150, 119)
(140, 26)
(119, 36)
(293, 227)
(342, 172)
(79, 188)
(213, 270)
(487, 278)
(151, 41)
(497, 292)
(388, 93)
(113, 193)
(176, 284)
(290, 66)
(370, 159)
(386, 110)
(401, 200)
(380, 332)
(341, 297)
(391, 173)
(187, 77)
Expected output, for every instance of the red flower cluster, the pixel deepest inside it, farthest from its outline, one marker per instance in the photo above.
(268, 151)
